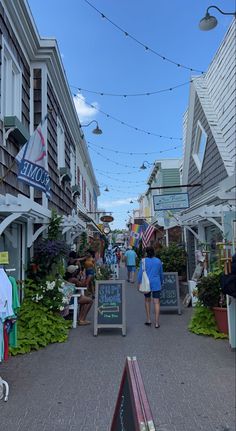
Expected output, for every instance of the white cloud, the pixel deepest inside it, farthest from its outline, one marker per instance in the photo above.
(84, 111)
(116, 203)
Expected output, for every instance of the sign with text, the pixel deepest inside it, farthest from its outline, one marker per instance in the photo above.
(107, 218)
(4, 258)
(132, 411)
(175, 201)
(170, 298)
(109, 309)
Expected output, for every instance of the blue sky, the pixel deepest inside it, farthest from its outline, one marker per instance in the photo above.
(98, 57)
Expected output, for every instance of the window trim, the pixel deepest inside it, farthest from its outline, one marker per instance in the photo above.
(15, 67)
(73, 166)
(59, 152)
(200, 131)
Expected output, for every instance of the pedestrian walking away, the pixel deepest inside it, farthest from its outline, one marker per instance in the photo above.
(130, 261)
(154, 270)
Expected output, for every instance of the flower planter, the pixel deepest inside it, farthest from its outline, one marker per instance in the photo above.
(221, 319)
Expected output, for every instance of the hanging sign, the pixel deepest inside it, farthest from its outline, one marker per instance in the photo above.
(4, 258)
(132, 411)
(175, 201)
(109, 309)
(107, 218)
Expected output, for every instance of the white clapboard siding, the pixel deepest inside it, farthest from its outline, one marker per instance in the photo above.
(217, 93)
(220, 80)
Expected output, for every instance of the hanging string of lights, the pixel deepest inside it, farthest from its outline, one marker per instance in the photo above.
(121, 181)
(118, 188)
(124, 123)
(114, 173)
(149, 93)
(133, 153)
(112, 161)
(147, 48)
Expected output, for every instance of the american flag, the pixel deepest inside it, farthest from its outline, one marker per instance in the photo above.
(147, 234)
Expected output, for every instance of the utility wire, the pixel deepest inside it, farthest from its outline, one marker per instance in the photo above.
(146, 47)
(126, 124)
(148, 93)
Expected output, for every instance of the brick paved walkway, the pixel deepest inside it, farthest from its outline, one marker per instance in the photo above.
(73, 386)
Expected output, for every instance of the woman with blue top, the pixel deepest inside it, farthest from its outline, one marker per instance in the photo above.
(154, 270)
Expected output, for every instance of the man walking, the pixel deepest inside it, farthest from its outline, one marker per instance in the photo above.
(130, 261)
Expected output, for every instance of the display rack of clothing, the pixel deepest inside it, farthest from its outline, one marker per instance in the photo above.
(9, 305)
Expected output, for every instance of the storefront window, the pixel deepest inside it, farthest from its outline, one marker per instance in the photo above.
(213, 236)
(11, 241)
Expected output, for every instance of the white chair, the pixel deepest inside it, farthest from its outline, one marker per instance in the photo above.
(74, 306)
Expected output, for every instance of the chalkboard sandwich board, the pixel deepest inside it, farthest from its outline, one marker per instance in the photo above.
(170, 298)
(132, 411)
(109, 309)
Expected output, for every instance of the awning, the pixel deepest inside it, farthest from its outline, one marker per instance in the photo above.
(24, 209)
(90, 223)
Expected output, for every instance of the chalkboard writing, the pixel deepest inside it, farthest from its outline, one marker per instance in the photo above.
(132, 411)
(124, 419)
(109, 310)
(170, 298)
(110, 303)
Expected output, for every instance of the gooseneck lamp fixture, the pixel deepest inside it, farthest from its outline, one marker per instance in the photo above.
(97, 130)
(209, 22)
(145, 167)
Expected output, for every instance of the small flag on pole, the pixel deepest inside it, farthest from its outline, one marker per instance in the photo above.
(147, 234)
(135, 234)
(32, 161)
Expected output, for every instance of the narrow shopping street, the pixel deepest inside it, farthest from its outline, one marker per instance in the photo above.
(73, 386)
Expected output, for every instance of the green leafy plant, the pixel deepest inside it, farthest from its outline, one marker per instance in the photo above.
(83, 244)
(38, 327)
(173, 258)
(48, 293)
(103, 273)
(209, 292)
(54, 230)
(203, 322)
(49, 253)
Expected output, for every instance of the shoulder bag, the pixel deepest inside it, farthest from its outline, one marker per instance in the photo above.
(144, 287)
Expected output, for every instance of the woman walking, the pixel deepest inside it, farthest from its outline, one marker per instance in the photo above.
(154, 270)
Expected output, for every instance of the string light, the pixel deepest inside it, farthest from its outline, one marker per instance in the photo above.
(133, 153)
(112, 161)
(147, 48)
(119, 188)
(114, 173)
(122, 181)
(126, 124)
(149, 93)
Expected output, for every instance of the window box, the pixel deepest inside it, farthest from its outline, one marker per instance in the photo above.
(19, 131)
(65, 174)
(76, 190)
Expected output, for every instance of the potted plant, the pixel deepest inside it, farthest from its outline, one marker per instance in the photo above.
(210, 295)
